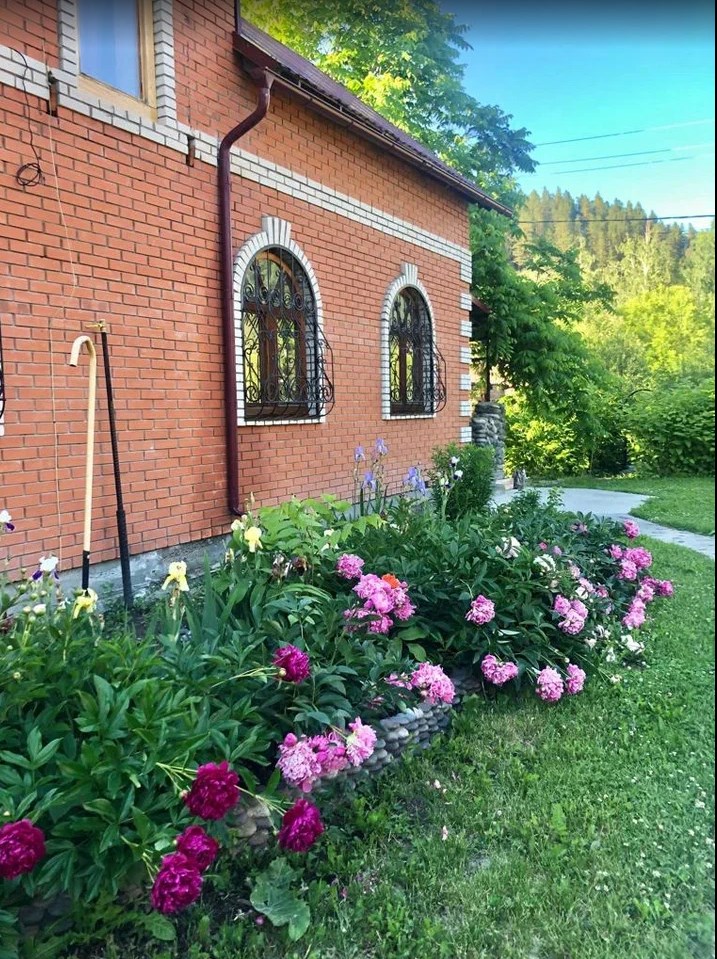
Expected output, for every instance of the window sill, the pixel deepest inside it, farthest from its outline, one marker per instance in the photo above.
(112, 100)
(315, 420)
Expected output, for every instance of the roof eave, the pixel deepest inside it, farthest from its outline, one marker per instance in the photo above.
(257, 58)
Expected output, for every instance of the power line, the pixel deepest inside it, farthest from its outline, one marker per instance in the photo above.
(625, 133)
(607, 156)
(622, 166)
(630, 219)
(615, 156)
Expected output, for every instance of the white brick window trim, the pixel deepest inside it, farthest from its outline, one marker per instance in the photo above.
(465, 381)
(102, 108)
(275, 232)
(466, 302)
(466, 408)
(466, 328)
(466, 355)
(169, 133)
(466, 434)
(408, 277)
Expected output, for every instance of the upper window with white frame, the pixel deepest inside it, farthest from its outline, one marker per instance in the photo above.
(116, 47)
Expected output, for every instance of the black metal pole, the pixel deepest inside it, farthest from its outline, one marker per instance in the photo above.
(121, 519)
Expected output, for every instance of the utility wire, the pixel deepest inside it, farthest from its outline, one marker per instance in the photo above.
(623, 166)
(615, 156)
(624, 133)
(629, 219)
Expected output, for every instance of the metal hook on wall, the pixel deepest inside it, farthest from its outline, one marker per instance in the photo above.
(86, 341)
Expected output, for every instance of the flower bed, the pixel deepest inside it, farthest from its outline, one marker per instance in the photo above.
(313, 656)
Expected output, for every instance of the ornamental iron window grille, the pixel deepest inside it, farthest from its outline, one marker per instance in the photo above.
(288, 364)
(417, 370)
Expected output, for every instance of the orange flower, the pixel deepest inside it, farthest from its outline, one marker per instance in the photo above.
(391, 580)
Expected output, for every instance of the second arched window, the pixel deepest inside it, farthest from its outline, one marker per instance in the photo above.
(415, 384)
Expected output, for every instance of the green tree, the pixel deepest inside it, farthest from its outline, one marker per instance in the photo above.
(402, 59)
(699, 268)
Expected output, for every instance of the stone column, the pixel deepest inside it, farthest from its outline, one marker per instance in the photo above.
(488, 427)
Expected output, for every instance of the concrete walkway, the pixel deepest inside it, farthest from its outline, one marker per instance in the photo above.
(617, 506)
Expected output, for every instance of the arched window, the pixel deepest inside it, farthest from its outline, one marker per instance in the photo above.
(415, 368)
(284, 356)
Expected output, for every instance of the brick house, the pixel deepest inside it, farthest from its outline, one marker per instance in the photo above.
(268, 307)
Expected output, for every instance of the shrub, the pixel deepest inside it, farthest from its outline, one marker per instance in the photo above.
(673, 431)
(462, 479)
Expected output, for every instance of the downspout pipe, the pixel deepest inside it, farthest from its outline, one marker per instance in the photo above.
(226, 271)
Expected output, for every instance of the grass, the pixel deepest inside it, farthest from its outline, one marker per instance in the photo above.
(683, 502)
(577, 831)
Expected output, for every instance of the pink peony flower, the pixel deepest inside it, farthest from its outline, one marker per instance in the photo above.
(381, 625)
(294, 663)
(196, 844)
(482, 611)
(579, 528)
(561, 605)
(645, 593)
(542, 546)
(330, 752)
(360, 743)
(496, 672)
(214, 791)
(632, 530)
(641, 557)
(557, 551)
(635, 616)
(298, 763)
(22, 846)
(575, 679)
(403, 681)
(349, 566)
(549, 685)
(615, 551)
(574, 571)
(404, 610)
(301, 826)
(433, 684)
(602, 592)
(665, 588)
(628, 570)
(178, 883)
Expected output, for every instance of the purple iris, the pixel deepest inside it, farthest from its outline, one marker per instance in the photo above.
(380, 447)
(369, 480)
(415, 480)
(9, 527)
(359, 455)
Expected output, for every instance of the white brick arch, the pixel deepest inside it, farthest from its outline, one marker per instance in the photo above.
(408, 277)
(275, 232)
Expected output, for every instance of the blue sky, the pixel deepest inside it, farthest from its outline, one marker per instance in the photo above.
(590, 69)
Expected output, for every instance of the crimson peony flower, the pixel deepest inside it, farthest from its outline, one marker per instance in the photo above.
(196, 844)
(214, 791)
(301, 826)
(293, 662)
(178, 883)
(22, 846)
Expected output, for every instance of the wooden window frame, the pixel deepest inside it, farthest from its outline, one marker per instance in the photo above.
(146, 105)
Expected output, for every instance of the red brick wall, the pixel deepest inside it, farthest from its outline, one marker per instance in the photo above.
(123, 229)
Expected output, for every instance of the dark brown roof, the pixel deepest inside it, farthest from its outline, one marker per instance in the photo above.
(301, 77)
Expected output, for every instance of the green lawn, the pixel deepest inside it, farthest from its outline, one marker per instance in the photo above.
(577, 831)
(678, 501)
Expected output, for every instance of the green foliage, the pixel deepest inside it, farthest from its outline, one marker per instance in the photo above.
(403, 60)
(673, 432)
(273, 897)
(462, 479)
(528, 337)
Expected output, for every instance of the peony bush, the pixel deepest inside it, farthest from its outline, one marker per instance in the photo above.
(127, 758)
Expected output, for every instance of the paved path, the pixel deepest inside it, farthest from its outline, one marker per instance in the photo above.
(617, 506)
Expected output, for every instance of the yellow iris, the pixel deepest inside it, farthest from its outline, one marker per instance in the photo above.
(252, 537)
(86, 603)
(177, 574)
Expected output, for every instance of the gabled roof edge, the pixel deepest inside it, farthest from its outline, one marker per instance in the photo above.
(320, 92)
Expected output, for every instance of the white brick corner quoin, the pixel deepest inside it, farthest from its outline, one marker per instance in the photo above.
(275, 232)
(408, 277)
